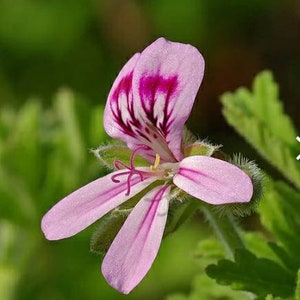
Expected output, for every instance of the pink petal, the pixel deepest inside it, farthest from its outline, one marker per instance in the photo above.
(120, 117)
(213, 180)
(136, 245)
(165, 83)
(87, 204)
(152, 98)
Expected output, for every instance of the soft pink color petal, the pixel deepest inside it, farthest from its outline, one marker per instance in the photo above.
(121, 119)
(152, 98)
(165, 82)
(136, 245)
(87, 204)
(213, 180)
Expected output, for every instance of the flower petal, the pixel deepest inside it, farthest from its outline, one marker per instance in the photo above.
(152, 98)
(87, 204)
(165, 83)
(120, 118)
(213, 180)
(135, 247)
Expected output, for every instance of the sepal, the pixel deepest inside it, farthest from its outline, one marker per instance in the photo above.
(180, 209)
(107, 154)
(200, 148)
(111, 223)
(107, 229)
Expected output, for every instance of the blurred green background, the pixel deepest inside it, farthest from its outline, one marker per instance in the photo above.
(58, 60)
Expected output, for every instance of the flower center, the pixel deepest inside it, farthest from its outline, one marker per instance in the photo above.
(165, 171)
(131, 170)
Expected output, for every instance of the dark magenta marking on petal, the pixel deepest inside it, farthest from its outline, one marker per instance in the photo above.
(150, 87)
(124, 88)
(143, 135)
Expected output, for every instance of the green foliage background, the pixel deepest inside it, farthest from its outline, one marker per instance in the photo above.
(58, 60)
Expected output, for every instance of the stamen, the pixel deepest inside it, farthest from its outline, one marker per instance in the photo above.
(156, 162)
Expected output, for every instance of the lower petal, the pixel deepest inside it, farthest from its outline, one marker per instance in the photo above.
(213, 180)
(87, 204)
(136, 245)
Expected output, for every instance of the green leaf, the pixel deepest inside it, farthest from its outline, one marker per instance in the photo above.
(258, 116)
(256, 242)
(44, 154)
(96, 129)
(16, 204)
(65, 107)
(209, 250)
(258, 275)
(204, 288)
(284, 257)
(69, 134)
(279, 213)
(21, 149)
(9, 277)
(270, 297)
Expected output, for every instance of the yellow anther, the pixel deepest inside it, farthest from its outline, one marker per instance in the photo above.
(156, 163)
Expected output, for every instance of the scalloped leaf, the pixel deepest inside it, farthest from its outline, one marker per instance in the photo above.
(279, 213)
(261, 276)
(258, 116)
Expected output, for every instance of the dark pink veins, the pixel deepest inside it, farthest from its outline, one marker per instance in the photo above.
(150, 88)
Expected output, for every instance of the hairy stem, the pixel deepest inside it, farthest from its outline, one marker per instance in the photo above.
(225, 229)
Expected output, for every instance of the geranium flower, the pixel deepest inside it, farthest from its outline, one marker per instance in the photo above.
(147, 108)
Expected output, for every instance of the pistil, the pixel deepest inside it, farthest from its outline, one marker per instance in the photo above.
(131, 170)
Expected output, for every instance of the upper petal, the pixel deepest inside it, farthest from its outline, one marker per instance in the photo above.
(165, 83)
(87, 204)
(152, 98)
(120, 117)
(213, 180)
(135, 247)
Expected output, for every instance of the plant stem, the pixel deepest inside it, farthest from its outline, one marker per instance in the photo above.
(225, 229)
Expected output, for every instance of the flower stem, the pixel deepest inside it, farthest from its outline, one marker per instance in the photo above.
(225, 229)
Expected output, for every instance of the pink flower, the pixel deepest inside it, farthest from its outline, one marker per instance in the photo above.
(147, 108)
